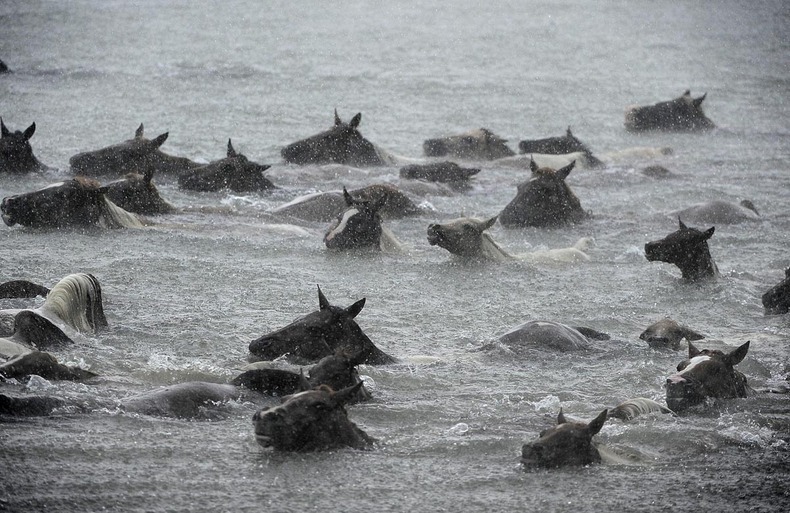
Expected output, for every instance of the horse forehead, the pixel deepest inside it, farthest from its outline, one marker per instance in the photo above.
(694, 363)
(342, 222)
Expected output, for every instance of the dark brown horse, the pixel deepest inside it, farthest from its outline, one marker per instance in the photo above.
(544, 201)
(561, 145)
(137, 193)
(688, 249)
(315, 420)
(480, 144)
(235, 172)
(681, 114)
(776, 300)
(137, 155)
(341, 144)
(359, 226)
(707, 374)
(566, 444)
(16, 154)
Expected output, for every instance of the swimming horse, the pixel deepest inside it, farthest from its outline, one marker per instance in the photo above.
(74, 304)
(719, 212)
(137, 193)
(341, 144)
(688, 249)
(776, 300)
(480, 144)
(667, 334)
(235, 172)
(359, 227)
(562, 145)
(138, 155)
(16, 154)
(544, 201)
(707, 374)
(681, 114)
(324, 332)
(76, 203)
(467, 237)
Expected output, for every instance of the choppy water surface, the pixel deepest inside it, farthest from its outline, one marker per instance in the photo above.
(185, 297)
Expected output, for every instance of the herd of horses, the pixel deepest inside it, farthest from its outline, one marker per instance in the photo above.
(312, 414)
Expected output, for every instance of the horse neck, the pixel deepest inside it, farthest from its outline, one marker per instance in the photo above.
(700, 264)
(490, 250)
(113, 216)
(68, 301)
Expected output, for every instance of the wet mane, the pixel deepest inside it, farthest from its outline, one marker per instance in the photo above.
(76, 299)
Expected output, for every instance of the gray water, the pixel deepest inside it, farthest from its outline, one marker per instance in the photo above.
(185, 296)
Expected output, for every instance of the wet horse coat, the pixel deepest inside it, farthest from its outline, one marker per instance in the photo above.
(480, 144)
(568, 143)
(137, 193)
(776, 300)
(341, 144)
(16, 154)
(327, 331)
(707, 374)
(667, 334)
(76, 203)
(688, 249)
(359, 226)
(681, 114)
(235, 172)
(137, 155)
(566, 444)
(544, 201)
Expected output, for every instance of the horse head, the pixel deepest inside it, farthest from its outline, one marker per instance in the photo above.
(545, 200)
(686, 248)
(314, 420)
(359, 226)
(480, 144)
(16, 154)
(321, 333)
(79, 202)
(681, 114)
(464, 237)
(235, 172)
(566, 444)
(341, 144)
(706, 374)
(138, 154)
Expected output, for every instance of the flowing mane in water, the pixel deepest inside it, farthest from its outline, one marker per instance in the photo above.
(77, 301)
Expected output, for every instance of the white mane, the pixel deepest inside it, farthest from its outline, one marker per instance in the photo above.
(114, 216)
(490, 250)
(574, 254)
(68, 302)
(388, 243)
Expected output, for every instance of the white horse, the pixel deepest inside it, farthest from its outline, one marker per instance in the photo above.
(466, 237)
(74, 305)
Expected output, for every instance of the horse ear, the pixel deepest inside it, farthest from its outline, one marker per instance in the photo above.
(682, 224)
(737, 356)
(160, 139)
(4, 132)
(354, 309)
(338, 121)
(693, 351)
(356, 120)
(27, 134)
(690, 334)
(568, 132)
(532, 166)
(488, 224)
(347, 197)
(709, 232)
(304, 385)
(139, 132)
(343, 396)
(686, 93)
(698, 101)
(231, 151)
(561, 418)
(596, 424)
(565, 171)
(323, 303)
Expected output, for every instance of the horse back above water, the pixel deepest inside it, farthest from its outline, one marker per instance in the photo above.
(681, 114)
(138, 155)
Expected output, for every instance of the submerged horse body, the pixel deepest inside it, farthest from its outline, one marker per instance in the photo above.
(688, 249)
(76, 203)
(681, 114)
(235, 172)
(667, 334)
(136, 155)
(480, 144)
(328, 330)
(341, 144)
(707, 374)
(719, 212)
(568, 143)
(548, 335)
(16, 154)
(544, 201)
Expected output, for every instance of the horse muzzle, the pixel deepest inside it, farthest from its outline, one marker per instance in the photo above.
(5, 208)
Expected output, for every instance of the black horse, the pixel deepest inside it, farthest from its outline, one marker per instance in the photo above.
(688, 249)
(681, 114)
(565, 444)
(137, 193)
(358, 227)
(328, 330)
(235, 172)
(567, 143)
(777, 299)
(16, 154)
